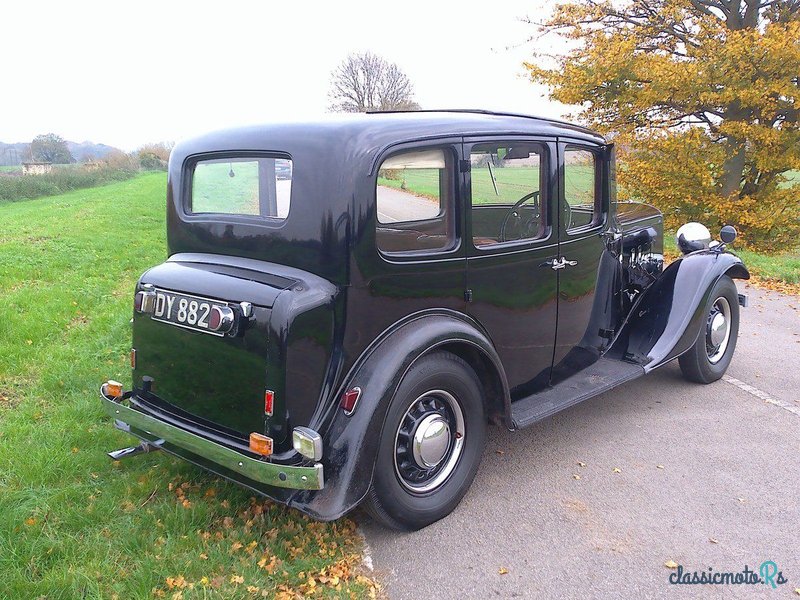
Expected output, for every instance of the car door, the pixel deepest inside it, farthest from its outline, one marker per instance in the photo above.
(512, 241)
(583, 197)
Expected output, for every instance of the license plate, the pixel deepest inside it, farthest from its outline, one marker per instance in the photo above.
(183, 310)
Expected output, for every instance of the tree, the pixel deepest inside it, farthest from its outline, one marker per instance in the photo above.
(366, 81)
(51, 148)
(702, 98)
(154, 156)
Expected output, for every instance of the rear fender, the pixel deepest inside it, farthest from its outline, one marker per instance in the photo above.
(351, 442)
(666, 320)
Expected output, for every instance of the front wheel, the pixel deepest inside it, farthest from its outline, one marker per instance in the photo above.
(431, 445)
(711, 354)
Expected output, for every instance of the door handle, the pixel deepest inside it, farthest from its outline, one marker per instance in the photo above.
(553, 263)
(559, 263)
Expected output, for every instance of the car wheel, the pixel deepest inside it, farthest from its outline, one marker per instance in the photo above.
(431, 445)
(711, 354)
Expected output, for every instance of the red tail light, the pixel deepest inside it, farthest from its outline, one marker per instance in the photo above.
(350, 399)
(269, 401)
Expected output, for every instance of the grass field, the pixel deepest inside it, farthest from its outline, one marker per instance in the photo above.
(11, 169)
(512, 183)
(74, 524)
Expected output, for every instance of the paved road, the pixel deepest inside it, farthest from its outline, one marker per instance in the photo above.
(731, 473)
(398, 205)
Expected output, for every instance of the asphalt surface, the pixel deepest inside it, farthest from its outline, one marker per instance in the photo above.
(709, 476)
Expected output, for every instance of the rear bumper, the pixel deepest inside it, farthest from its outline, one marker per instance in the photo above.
(255, 470)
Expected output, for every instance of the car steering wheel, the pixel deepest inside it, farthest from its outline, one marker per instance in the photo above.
(536, 214)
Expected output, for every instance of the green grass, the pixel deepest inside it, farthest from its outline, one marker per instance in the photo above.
(74, 524)
(11, 169)
(513, 183)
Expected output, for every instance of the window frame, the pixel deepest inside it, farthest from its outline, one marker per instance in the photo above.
(599, 210)
(546, 156)
(450, 147)
(188, 169)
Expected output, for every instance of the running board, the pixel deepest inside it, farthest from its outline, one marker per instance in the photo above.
(600, 377)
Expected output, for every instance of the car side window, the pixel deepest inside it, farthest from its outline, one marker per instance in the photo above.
(507, 202)
(580, 188)
(415, 202)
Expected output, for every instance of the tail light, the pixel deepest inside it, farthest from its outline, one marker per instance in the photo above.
(144, 302)
(113, 389)
(260, 444)
(221, 319)
(350, 399)
(269, 402)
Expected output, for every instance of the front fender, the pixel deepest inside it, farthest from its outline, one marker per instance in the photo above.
(666, 320)
(351, 442)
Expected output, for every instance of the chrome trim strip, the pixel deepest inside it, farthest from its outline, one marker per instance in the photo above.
(284, 476)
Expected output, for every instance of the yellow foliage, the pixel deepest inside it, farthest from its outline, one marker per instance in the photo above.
(704, 110)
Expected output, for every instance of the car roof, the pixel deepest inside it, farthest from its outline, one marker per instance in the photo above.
(370, 133)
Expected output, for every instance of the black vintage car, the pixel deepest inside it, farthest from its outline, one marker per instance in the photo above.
(347, 304)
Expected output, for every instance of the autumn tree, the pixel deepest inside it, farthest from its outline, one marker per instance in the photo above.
(365, 81)
(51, 148)
(702, 98)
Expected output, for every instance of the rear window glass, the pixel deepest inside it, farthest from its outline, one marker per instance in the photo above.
(257, 186)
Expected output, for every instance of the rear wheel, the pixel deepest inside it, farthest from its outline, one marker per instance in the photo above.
(711, 354)
(432, 443)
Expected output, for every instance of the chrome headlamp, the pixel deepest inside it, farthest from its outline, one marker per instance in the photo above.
(692, 237)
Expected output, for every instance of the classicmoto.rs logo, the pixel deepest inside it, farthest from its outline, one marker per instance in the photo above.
(767, 574)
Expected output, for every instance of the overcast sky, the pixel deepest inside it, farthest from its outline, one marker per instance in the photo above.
(129, 72)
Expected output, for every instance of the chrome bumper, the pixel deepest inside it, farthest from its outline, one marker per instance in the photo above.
(284, 476)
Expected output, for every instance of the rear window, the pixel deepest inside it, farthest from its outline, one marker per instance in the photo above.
(257, 186)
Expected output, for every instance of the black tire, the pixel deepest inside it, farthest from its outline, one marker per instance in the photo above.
(425, 393)
(701, 364)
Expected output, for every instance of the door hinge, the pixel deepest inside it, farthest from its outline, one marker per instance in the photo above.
(468, 295)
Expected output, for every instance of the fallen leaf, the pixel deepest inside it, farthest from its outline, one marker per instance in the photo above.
(503, 571)
(797, 591)
(576, 476)
(659, 466)
(75, 450)
(616, 470)
(204, 556)
(237, 579)
(713, 540)
(581, 464)
(742, 500)
(671, 564)
(30, 521)
(500, 452)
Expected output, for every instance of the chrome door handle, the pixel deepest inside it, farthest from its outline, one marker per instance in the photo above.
(553, 263)
(559, 263)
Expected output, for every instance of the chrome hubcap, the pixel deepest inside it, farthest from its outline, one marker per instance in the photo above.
(429, 441)
(718, 330)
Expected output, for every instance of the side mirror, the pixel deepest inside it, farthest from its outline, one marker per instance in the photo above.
(727, 234)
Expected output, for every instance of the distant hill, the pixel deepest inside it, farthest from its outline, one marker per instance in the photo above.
(16, 154)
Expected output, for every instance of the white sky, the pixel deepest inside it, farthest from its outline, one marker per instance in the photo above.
(129, 72)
